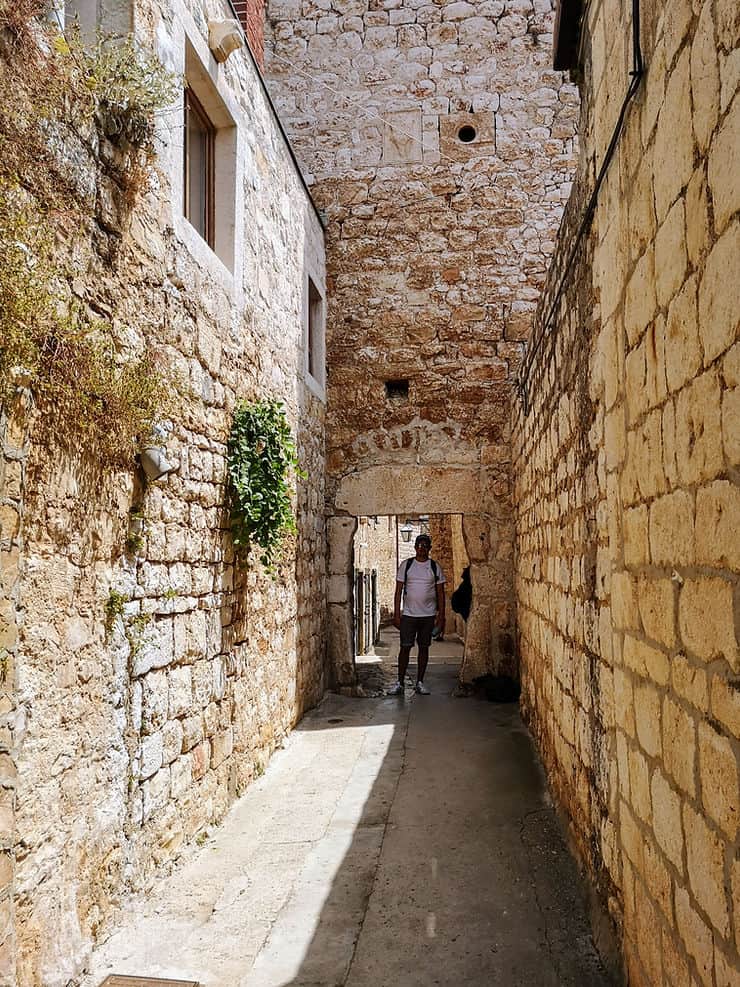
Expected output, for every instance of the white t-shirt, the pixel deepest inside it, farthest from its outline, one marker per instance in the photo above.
(420, 598)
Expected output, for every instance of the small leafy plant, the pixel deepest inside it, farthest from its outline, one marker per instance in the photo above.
(55, 89)
(114, 607)
(261, 454)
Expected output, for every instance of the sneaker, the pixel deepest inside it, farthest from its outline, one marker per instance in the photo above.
(397, 690)
(422, 689)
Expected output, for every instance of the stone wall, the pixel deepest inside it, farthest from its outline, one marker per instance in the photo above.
(135, 730)
(436, 250)
(627, 506)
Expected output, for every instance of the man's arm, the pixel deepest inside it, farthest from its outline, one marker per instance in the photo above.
(397, 605)
(440, 619)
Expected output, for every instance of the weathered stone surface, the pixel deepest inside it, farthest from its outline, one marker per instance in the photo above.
(436, 249)
(125, 743)
(642, 344)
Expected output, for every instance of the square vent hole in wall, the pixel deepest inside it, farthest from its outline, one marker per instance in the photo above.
(397, 390)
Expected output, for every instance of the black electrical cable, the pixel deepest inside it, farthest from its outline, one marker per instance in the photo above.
(636, 75)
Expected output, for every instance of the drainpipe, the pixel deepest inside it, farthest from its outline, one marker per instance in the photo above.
(636, 74)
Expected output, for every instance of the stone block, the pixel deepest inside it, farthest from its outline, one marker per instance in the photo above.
(696, 935)
(675, 963)
(674, 139)
(648, 718)
(718, 309)
(731, 426)
(705, 859)
(647, 925)
(690, 683)
(154, 701)
(624, 605)
(722, 169)
(151, 755)
(631, 837)
(699, 454)
(718, 774)
(635, 533)
(201, 759)
(697, 218)
(725, 702)
(705, 86)
(640, 304)
(725, 969)
(657, 602)
(639, 775)
(658, 878)
(181, 774)
(717, 524)
(676, 23)
(180, 694)
(624, 702)
(645, 660)
(672, 530)
(679, 745)
(706, 619)
(192, 732)
(222, 745)
(683, 356)
(156, 793)
(670, 254)
(172, 734)
(667, 823)
(152, 646)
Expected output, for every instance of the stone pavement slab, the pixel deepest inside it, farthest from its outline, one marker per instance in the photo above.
(411, 843)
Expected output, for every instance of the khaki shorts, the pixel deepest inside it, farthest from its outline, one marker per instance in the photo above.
(416, 629)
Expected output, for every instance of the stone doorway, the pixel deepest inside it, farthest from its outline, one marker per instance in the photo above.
(411, 493)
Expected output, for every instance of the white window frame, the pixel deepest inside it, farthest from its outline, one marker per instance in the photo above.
(209, 95)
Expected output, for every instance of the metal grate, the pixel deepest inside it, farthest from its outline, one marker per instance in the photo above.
(116, 980)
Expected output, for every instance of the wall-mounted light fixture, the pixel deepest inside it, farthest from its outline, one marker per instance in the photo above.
(406, 530)
(153, 457)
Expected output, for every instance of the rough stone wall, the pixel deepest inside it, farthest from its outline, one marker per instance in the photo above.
(440, 530)
(375, 548)
(14, 443)
(460, 561)
(133, 738)
(627, 505)
(436, 248)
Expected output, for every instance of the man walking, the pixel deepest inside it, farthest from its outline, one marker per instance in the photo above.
(421, 582)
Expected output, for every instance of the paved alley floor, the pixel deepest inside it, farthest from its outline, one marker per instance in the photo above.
(392, 843)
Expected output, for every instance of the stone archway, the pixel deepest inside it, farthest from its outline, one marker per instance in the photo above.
(382, 490)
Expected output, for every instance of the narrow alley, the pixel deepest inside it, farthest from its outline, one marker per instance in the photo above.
(390, 842)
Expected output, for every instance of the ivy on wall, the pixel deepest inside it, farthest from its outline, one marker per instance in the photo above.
(58, 95)
(261, 455)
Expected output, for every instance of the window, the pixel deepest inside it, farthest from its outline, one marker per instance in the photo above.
(315, 341)
(209, 142)
(199, 161)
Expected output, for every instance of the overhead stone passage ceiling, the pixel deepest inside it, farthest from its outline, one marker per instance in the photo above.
(440, 146)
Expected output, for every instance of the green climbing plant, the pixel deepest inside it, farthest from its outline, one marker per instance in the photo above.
(261, 456)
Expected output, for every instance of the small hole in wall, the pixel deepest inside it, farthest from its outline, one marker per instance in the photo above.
(397, 390)
(466, 134)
